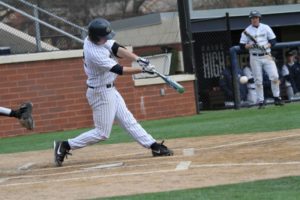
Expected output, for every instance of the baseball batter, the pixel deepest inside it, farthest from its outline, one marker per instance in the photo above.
(23, 113)
(102, 68)
(260, 57)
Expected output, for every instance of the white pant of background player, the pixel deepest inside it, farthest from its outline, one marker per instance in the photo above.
(108, 105)
(251, 95)
(266, 62)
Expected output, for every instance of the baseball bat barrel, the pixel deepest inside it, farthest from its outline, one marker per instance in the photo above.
(179, 88)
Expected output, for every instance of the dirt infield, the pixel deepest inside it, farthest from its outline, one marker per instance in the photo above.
(124, 169)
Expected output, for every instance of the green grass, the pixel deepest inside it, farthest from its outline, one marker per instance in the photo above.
(206, 123)
(287, 188)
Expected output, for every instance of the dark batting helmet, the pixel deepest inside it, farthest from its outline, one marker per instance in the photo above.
(254, 13)
(100, 28)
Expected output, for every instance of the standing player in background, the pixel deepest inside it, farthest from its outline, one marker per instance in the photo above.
(260, 57)
(295, 74)
(23, 113)
(102, 69)
(287, 78)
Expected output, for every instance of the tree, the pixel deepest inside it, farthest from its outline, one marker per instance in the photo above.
(136, 6)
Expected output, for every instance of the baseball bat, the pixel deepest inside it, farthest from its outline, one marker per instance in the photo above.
(250, 37)
(176, 86)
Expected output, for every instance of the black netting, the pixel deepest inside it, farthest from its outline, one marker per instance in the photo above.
(211, 56)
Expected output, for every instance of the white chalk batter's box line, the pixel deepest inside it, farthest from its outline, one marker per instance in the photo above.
(93, 164)
(88, 170)
(184, 165)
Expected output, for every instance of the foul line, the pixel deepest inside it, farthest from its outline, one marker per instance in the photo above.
(248, 142)
(245, 164)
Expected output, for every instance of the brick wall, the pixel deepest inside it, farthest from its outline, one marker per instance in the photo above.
(57, 90)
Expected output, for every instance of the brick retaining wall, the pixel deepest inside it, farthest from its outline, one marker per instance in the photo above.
(57, 89)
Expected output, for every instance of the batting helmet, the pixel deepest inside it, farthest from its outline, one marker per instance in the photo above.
(254, 13)
(100, 28)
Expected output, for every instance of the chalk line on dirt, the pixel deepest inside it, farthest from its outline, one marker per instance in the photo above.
(248, 142)
(88, 178)
(244, 164)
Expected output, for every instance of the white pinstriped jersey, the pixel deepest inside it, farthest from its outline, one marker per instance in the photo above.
(263, 33)
(98, 60)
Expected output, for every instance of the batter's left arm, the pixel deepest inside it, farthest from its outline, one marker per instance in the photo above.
(271, 37)
(125, 53)
(122, 52)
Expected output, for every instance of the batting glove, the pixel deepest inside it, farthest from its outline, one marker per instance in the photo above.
(255, 46)
(266, 46)
(143, 62)
(149, 69)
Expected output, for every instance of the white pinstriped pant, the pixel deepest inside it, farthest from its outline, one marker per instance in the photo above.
(108, 105)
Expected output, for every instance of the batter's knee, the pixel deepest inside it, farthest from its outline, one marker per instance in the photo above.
(274, 78)
(276, 81)
(100, 136)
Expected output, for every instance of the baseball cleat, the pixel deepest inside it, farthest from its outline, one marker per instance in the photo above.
(261, 105)
(25, 115)
(161, 150)
(60, 152)
(278, 101)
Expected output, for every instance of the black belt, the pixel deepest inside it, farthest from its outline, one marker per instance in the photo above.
(260, 54)
(107, 86)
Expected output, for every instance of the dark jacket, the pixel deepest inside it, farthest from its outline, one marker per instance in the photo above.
(295, 75)
(226, 85)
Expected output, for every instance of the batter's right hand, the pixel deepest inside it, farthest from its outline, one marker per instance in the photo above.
(149, 69)
(143, 62)
(255, 46)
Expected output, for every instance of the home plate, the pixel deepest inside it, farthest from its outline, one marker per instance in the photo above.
(104, 166)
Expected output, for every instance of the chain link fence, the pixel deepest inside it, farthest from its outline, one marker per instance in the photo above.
(26, 28)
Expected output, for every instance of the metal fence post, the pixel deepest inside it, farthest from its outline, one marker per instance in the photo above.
(37, 29)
